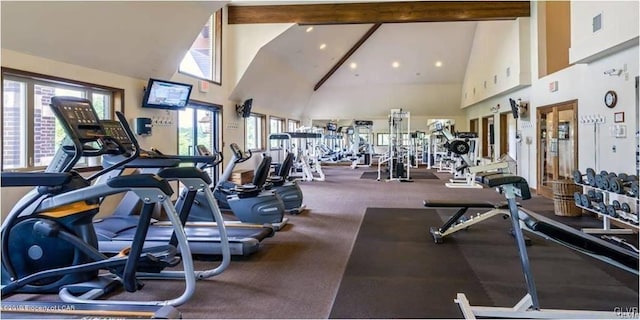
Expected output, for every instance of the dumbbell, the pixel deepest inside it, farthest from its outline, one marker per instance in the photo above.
(625, 208)
(611, 211)
(622, 211)
(607, 174)
(592, 196)
(577, 197)
(591, 177)
(614, 207)
(602, 179)
(622, 182)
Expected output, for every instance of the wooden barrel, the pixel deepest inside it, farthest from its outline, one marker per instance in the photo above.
(563, 201)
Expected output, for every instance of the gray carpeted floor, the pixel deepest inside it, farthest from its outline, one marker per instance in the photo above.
(297, 273)
(414, 174)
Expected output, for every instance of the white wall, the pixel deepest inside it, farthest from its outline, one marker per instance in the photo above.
(439, 100)
(244, 42)
(587, 84)
(522, 152)
(619, 21)
(162, 137)
(499, 60)
(275, 87)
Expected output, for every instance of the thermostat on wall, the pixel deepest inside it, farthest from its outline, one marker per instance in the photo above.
(143, 126)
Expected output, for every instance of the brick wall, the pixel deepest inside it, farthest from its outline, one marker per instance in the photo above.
(14, 134)
(44, 126)
(11, 125)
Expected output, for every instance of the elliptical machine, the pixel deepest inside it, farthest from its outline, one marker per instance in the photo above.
(250, 203)
(50, 230)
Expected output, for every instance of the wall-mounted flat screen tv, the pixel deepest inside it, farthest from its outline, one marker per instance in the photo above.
(164, 94)
(514, 108)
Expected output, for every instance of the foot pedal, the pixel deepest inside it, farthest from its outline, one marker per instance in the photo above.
(155, 259)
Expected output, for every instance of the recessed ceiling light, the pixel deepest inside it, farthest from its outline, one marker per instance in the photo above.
(322, 46)
(395, 64)
(309, 29)
(353, 65)
(357, 74)
(438, 64)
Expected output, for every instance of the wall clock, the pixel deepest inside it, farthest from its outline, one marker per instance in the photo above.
(610, 99)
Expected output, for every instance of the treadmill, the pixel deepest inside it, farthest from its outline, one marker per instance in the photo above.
(117, 231)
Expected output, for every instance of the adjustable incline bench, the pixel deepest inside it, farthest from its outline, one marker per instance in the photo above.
(456, 222)
(529, 306)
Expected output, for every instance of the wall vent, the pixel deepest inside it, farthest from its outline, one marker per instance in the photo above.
(597, 22)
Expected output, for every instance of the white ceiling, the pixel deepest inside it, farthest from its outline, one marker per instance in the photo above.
(301, 49)
(415, 46)
(374, 86)
(140, 39)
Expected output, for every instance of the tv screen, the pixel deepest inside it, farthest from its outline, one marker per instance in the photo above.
(514, 108)
(244, 110)
(166, 94)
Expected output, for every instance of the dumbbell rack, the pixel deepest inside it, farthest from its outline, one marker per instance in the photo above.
(606, 219)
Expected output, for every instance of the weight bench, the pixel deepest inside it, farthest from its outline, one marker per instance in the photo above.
(529, 306)
(579, 241)
(457, 222)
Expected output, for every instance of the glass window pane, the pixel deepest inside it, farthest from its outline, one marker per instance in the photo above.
(253, 132)
(198, 60)
(185, 131)
(205, 128)
(102, 104)
(293, 125)
(275, 126)
(49, 131)
(14, 134)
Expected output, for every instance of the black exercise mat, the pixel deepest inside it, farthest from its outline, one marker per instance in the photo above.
(565, 279)
(414, 174)
(396, 271)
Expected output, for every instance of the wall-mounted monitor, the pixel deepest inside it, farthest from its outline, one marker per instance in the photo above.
(164, 94)
(514, 108)
(244, 110)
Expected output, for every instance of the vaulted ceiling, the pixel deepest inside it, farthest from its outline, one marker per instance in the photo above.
(143, 39)
(140, 39)
(415, 46)
(419, 66)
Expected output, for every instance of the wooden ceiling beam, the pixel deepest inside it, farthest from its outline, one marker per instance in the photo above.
(347, 55)
(380, 12)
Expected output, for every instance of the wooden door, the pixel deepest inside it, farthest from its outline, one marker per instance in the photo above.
(504, 133)
(557, 144)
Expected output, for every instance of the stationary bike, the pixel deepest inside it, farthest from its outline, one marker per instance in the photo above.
(250, 203)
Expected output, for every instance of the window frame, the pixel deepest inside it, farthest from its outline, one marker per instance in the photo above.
(380, 136)
(271, 144)
(261, 131)
(216, 55)
(214, 108)
(31, 79)
(280, 120)
(289, 122)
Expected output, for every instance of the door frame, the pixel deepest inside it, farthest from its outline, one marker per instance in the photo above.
(561, 106)
(504, 133)
(473, 125)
